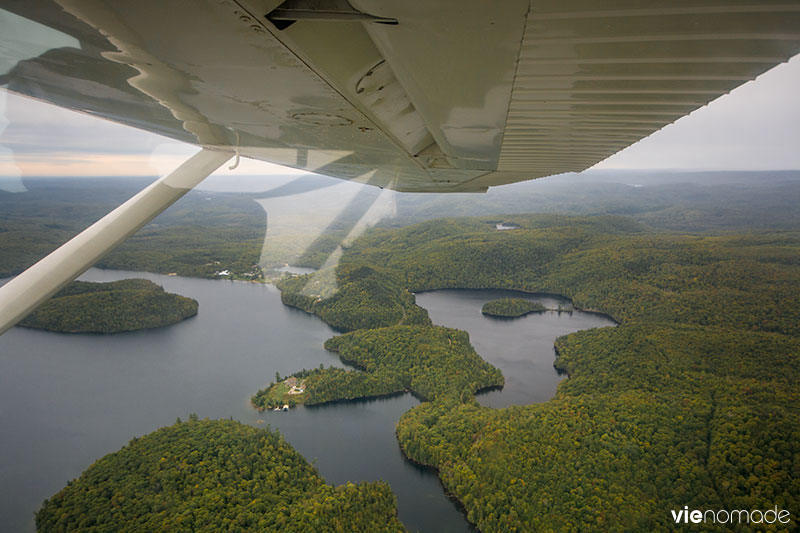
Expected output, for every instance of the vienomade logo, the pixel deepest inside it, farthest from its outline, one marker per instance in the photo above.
(756, 516)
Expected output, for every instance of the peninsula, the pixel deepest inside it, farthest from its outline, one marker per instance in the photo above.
(214, 475)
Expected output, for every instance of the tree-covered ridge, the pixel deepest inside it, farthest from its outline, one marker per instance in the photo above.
(691, 401)
(213, 476)
(365, 298)
(432, 361)
(651, 419)
(204, 227)
(113, 307)
(511, 307)
(203, 233)
(604, 263)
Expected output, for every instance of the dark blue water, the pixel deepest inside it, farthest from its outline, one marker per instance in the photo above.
(521, 347)
(67, 400)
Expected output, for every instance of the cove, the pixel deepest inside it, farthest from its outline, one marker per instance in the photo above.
(68, 399)
(521, 347)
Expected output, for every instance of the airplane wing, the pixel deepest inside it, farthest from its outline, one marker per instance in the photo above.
(411, 95)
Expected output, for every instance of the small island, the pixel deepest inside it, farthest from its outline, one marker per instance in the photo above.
(113, 307)
(511, 307)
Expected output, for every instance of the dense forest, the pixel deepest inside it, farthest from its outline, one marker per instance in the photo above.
(432, 361)
(208, 232)
(361, 297)
(113, 307)
(690, 401)
(511, 307)
(221, 475)
(204, 233)
(695, 202)
(611, 264)
(651, 419)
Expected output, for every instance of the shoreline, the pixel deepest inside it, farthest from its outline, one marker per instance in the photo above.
(529, 293)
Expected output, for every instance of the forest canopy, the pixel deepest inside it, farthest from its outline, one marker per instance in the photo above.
(691, 400)
(113, 307)
(511, 307)
(213, 475)
(355, 297)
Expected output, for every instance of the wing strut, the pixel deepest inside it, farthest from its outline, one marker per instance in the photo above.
(24, 293)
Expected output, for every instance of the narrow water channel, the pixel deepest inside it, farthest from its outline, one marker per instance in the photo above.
(67, 400)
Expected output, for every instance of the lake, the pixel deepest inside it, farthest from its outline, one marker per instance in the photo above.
(67, 400)
(521, 347)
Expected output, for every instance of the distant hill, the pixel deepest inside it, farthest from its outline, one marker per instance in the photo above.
(127, 305)
(207, 232)
(695, 202)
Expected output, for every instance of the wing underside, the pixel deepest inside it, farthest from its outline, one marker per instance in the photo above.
(411, 95)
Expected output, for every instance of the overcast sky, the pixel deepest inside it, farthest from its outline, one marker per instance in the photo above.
(757, 126)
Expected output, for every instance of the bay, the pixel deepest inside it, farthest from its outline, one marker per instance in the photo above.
(68, 399)
(521, 347)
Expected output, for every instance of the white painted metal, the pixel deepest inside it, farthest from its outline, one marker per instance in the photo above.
(459, 95)
(24, 293)
(456, 59)
(595, 76)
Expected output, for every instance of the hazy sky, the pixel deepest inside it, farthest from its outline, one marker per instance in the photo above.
(757, 126)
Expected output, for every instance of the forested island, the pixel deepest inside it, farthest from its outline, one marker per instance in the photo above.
(511, 307)
(214, 475)
(113, 307)
(691, 400)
